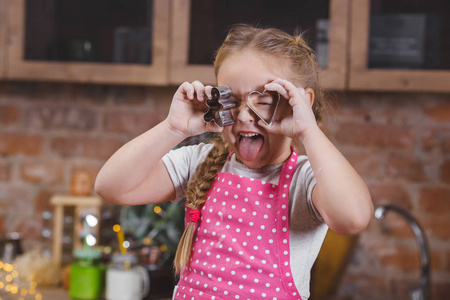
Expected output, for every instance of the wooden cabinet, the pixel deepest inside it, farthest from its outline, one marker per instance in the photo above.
(431, 79)
(212, 19)
(72, 66)
(185, 33)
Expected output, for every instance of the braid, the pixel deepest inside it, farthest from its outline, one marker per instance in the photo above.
(196, 197)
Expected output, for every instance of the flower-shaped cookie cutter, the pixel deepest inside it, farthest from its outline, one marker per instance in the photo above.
(220, 105)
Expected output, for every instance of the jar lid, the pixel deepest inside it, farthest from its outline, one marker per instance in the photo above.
(123, 258)
(87, 253)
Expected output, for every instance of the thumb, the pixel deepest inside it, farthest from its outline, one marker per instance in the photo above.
(212, 127)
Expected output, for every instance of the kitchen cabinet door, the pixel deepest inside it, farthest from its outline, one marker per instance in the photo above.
(199, 27)
(112, 42)
(400, 45)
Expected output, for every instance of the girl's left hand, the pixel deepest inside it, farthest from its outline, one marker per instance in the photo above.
(297, 123)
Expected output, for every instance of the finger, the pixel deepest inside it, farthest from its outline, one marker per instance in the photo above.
(199, 90)
(276, 87)
(208, 89)
(295, 93)
(213, 127)
(187, 89)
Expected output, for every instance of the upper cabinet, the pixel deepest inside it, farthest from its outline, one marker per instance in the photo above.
(200, 26)
(101, 41)
(400, 45)
(373, 45)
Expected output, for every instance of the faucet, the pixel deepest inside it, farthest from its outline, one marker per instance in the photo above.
(423, 291)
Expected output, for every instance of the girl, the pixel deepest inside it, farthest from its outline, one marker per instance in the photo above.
(257, 212)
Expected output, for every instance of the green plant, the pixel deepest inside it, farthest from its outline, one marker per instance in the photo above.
(156, 224)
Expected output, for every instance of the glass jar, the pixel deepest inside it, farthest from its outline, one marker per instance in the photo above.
(86, 275)
(125, 279)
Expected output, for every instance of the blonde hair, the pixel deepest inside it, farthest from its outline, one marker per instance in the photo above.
(303, 65)
(196, 196)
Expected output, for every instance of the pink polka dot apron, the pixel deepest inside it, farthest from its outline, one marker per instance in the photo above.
(241, 244)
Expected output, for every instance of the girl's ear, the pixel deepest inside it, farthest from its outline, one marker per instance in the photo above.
(310, 92)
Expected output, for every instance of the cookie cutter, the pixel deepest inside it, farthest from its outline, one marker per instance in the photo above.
(220, 105)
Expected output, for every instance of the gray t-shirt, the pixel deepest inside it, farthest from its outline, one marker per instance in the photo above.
(306, 227)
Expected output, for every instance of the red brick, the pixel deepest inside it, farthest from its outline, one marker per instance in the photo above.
(9, 114)
(42, 201)
(29, 228)
(438, 111)
(65, 146)
(400, 288)
(437, 139)
(365, 285)
(440, 290)
(405, 166)
(375, 135)
(100, 148)
(15, 197)
(437, 225)
(396, 226)
(365, 163)
(435, 200)
(5, 171)
(131, 122)
(445, 172)
(58, 117)
(403, 259)
(389, 194)
(15, 144)
(130, 95)
(43, 172)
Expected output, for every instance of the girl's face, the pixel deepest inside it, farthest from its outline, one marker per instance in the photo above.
(253, 145)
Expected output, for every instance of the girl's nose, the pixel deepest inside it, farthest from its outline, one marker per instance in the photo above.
(245, 114)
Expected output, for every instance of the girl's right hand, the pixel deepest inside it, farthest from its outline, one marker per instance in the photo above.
(187, 110)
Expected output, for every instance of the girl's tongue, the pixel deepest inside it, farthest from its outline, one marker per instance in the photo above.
(250, 145)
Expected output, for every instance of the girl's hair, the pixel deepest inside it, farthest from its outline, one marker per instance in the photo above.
(304, 70)
(196, 196)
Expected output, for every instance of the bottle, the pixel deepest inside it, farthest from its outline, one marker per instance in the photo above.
(86, 275)
(125, 279)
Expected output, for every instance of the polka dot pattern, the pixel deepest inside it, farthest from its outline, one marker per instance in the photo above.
(241, 244)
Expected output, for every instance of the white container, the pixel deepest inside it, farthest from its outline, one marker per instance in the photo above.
(125, 279)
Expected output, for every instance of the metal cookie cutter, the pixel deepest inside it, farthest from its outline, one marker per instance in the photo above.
(220, 105)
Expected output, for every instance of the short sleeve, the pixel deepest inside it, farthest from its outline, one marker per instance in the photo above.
(182, 163)
(310, 183)
(305, 176)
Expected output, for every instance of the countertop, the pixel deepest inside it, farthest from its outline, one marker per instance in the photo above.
(61, 294)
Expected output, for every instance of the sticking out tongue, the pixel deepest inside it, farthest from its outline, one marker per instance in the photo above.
(249, 147)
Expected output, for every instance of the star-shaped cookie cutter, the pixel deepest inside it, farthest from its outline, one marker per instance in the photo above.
(220, 105)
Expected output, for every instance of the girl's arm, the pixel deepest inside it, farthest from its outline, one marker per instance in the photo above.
(135, 174)
(340, 196)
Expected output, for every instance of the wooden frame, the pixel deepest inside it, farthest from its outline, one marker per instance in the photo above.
(3, 20)
(334, 77)
(363, 78)
(154, 74)
(91, 203)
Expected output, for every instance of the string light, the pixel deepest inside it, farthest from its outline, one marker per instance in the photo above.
(11, 283)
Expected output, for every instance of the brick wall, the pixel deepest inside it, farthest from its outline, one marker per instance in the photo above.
(399, 142)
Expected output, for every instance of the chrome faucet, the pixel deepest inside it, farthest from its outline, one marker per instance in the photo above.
(423, 291)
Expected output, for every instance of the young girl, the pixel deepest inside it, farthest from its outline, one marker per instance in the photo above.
(256, 211)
